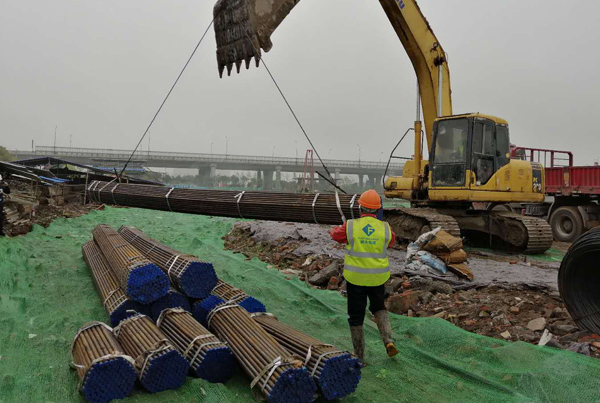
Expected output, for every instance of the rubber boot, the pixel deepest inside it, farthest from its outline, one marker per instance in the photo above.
(358, 341)
(385, 330)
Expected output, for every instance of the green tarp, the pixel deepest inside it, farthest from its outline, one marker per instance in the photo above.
(46, 294)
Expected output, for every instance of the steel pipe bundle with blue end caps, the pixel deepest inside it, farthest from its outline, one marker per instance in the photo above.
(173, 299)
(227, 292)
(201, 308)
(209, 358)
(106, 373)
(141, 279)
(190, 275)
(280, 377)
(159, 364)
(336, 372)
(116, 303)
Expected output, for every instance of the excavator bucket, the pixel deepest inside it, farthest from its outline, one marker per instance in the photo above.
(244, 27)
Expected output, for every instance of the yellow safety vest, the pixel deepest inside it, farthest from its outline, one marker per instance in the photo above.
(366, 262)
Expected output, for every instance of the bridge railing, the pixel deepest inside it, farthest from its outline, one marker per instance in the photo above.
(100, 153)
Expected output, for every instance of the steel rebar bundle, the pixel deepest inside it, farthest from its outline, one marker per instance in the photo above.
(115, 302)
(276, 374)
(141, 279)
(209, 358)
(187, 273)
(159, 364)
(104, 370)
(297, 207)
(173, 299)
(579, 281)
(336, 372)
(229, 293)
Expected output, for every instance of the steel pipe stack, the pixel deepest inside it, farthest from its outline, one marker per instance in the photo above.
(187, 273)
(227, 292)
(297, 207)
(336, 372)
(159, 364)
(276, 374)
(141, 279)
(173, 299)
(116, 303)
(209, 358)
(104, 370)
(579, 281)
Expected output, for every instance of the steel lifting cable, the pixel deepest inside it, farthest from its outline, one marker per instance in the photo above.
(167, 97)
(331, 180)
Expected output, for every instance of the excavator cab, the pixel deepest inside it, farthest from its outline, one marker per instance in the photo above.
(468, 150)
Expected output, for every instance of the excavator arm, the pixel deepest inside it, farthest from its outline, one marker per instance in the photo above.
(244, 27)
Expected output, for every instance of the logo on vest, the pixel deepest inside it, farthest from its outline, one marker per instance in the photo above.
(368, 229)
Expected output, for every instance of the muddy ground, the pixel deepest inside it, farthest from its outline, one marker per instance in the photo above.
(512, 297)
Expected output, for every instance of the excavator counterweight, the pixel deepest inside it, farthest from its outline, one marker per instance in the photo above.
(244, 27)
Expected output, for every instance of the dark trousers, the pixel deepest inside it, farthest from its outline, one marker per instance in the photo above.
(357, 302)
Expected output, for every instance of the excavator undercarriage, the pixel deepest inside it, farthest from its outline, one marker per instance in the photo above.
(499, 230)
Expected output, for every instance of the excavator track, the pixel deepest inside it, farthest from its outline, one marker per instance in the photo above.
(539, 232)
(410, 223)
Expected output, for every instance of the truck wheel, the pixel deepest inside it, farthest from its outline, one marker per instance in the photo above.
(566, 223)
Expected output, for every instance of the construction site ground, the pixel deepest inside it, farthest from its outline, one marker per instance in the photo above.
(46, 294)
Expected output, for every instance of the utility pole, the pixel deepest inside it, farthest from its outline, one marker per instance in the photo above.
(358, 154)
(211, 145)
(55, 127)
(70, 141)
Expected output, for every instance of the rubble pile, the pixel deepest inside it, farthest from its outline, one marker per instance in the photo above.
(533, 314)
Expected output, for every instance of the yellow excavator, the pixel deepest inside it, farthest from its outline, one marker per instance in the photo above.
(468, 154)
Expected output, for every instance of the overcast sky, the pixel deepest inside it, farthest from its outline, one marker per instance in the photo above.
(99, 69)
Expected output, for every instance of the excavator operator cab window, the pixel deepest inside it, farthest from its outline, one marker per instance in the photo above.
(483, 153)
(450, 152)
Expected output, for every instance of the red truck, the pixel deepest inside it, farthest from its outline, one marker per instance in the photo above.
(572, 192)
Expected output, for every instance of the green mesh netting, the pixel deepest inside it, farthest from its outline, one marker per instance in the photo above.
(46, 294)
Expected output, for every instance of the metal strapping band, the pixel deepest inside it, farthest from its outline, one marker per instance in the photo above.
(257, 314)
(113, 194)
(86, 327)
(110, 295)
(117, 330)
(92, 191)
(170, 267)
(217, 309)
(352, 206)
(339, 206)
(320, 358)
(237, 298)
(200, 347)
(309, 353)
(102, 188)
(165, 346)
(313, 207)
(191, 345)
(239, 197)
(89, 189)
(223, 284)
(167, 197)
(277, 362)
(164, 313)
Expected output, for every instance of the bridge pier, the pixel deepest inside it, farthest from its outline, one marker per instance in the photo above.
(374, 181)
(268, 180)
(278, 177)
(360, 181)
(258, 179)
(337, 176)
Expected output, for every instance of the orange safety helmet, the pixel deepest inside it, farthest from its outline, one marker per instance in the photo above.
(370, 199)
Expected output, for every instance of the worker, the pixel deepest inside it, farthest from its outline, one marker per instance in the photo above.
(366, 270)
(4, 190)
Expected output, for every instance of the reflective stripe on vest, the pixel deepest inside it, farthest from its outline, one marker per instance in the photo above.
(366, 261)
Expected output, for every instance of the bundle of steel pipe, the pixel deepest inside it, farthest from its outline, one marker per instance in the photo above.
(116, 303)
(173, 299)
(187, 273)
(141, 279)
(336, 372)
(159, 364)
(209, 358)
(227, 292)
(276, 374)
(105, 372)
(579, 281)
(297, 207)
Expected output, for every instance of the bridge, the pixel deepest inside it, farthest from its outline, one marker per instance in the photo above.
(209, 164)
